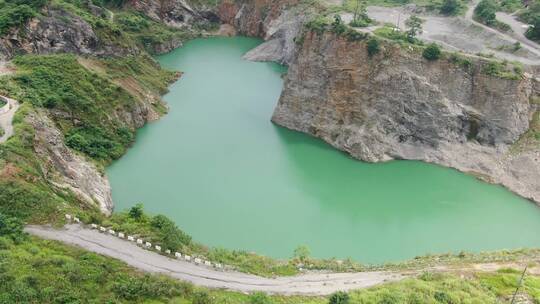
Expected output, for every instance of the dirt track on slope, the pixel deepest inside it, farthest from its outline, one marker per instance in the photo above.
(135, 256)
(318, 283)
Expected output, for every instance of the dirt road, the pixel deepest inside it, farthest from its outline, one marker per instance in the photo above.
(133, 255)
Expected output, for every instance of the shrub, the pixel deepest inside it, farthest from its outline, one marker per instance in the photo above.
(339, 297)
(202, 297)
(450, 7)
(485, 12)
(432, 52)
(259, 298)
(373, 46)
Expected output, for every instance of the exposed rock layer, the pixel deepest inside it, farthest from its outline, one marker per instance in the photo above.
(57, 31)
(278, 22)
(397, 105)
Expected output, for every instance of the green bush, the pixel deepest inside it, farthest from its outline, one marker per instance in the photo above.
(373, 46)
(485, 12)
(339, 297)
(15, 13)
(202, 297)
(432, 52)
(450, 7)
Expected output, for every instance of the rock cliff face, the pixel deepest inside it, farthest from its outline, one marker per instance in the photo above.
(278, 22)
(174, 13)
(58, 31)
(397, 105)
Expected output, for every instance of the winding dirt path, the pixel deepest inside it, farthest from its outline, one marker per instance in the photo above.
(6, 118)
(318, 283)
(133, 255)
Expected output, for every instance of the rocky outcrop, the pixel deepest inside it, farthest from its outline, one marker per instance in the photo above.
(398, 105)
(64, 168)
(57, 31)
(278, 22)
(175, 13)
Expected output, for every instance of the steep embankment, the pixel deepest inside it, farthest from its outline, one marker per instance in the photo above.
(398, 105)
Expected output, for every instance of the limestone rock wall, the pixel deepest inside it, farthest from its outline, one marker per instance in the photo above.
(398, 105)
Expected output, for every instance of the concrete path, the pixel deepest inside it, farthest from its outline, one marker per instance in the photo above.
(6, 118)
(133, 255)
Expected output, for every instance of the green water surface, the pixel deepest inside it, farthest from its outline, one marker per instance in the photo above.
(230, 178)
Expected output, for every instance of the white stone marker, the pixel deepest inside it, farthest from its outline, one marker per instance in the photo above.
(68, 217)
(148, 244)
(158, 248)
(121, 235)
(102, 229)
(76, 219)
(187, 257)
(130, 238)
(93, 226)
(207, 263)
(218, 265)
(167, 251)
(177, 255)
(198, 261)
(111, 232)
(139, 241)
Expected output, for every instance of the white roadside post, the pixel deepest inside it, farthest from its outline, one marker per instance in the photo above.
(148, 244)
(121, 235)
(187, 258)
(68, 217)
(130, 238)
(198, 261)
(178, 255)
(139, 241)
(112, 232)
(77, 220)
(102, 229)
(167, 251)
(158, 248)
(93, 226)
(208, 263)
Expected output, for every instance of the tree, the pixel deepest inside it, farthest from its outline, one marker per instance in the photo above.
(414, 23)
(302, 253)
(450, 7)
(136, 212)
(339, 297)
(432, 52)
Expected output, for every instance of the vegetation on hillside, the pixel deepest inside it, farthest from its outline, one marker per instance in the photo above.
(80, 102)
